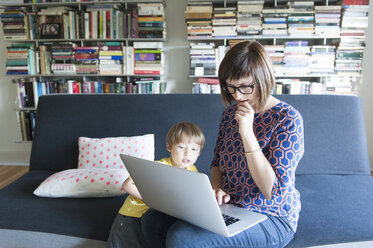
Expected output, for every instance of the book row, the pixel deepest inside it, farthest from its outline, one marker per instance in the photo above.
(293, 57)
(26, 124)
(292, 18)
(109, 58)
(96, 21)
(294, 86)
(29, 90)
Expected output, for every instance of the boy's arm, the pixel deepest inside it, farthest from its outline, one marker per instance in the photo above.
(130, 187)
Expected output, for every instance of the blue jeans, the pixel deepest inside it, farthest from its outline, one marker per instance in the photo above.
(161, 230)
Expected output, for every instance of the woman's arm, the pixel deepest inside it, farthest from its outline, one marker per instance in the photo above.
(274, 172)
(260, 169)
(130, 187)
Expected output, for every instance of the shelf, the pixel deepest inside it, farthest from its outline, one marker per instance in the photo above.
(23, 141)
(56, 4)
(90, 40)
(25, 109)
(260, 37)
(87, 75)
(316, 75)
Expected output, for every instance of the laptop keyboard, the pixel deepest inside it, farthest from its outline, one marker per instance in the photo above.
(229, 219)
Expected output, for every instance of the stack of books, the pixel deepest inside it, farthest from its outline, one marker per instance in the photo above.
(349, 56)
(296, 59)
(198, 18)
(338, 84)
(206, 86)
(21, 59)
(148, 58)
(322, 58)
(249, 17)
(147, 85)
(14, 25)
(110, 59)
(295, 86)
(25, 93)
(224, 22)
(151, 21)
(202, 59)
(275, 21)
(276, 53)
(86, 60)
(301, 18)
(62, 59)
(354, 17)
(101, 21)
(26, 120)
(327, 20)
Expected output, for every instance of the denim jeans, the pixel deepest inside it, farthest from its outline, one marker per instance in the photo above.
(161, 230)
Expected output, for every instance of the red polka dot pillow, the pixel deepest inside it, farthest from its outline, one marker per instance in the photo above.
(97, 182)
(104, 152)
(100, 170)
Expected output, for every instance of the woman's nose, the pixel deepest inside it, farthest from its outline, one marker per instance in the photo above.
(237, 95)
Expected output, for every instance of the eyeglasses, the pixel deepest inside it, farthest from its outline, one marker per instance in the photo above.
(247, 89)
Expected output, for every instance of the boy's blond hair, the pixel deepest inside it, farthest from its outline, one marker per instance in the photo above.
(189, 129)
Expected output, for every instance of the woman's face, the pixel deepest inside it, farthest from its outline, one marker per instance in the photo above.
(247, 90)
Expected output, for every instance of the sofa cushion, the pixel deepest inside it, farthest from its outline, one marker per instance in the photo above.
(80, 217)
(97, 182)
(334, 134)
(335, 209)
(104, 152)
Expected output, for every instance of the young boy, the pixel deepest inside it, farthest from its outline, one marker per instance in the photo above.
(184, 141)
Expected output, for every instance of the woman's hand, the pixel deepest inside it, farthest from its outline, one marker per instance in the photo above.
(245, 118)
(221, 196)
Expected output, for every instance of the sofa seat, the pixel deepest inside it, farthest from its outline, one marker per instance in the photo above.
(335, 209)
(89, 218)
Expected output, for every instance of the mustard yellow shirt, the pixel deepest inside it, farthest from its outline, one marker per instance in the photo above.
(135, 207)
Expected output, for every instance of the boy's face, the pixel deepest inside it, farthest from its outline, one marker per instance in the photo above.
(184, 153)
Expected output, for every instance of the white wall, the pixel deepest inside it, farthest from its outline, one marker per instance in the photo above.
(366, 91)
(177, 71)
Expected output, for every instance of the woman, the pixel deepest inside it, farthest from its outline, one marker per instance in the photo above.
(259, 145)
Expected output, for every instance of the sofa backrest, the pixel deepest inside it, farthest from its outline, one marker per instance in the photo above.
(335, 140)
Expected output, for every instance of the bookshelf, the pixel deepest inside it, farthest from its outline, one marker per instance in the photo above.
(330, 32)
(81, 47)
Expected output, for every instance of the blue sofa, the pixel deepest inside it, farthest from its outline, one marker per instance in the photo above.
(333, 177)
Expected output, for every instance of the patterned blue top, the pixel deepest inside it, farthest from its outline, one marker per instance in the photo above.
(279, 132)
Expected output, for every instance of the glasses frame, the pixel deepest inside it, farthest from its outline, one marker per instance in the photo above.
(239, 88)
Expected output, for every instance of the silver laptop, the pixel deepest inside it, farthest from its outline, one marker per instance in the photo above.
(187, 195)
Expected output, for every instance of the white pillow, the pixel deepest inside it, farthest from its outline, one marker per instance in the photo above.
(104, 152)
(83, 183)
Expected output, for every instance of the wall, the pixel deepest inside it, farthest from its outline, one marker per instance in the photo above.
(366, 91)
(177, 71)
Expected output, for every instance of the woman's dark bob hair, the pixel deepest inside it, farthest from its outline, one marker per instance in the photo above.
(245, 59)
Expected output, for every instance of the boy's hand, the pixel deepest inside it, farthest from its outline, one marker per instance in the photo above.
(221, 196)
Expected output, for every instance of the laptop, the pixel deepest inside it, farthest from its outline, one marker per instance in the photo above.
(187, 195)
